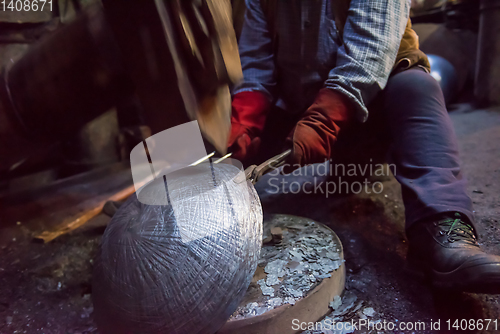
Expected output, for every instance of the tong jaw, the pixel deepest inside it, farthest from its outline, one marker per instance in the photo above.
(253, 173)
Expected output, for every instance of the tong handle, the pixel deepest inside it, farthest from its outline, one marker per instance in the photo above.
(254, 172)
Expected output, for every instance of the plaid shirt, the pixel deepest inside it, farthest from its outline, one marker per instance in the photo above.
(310, 55)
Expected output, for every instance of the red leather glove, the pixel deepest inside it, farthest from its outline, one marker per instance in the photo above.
(249, 111)
(316, 133)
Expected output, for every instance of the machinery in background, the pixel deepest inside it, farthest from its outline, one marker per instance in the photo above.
(446, 75)
(159, 63)
(456, 14)
(467, 37)
(163, 63)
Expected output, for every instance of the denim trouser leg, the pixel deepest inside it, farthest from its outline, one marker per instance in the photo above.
(424, 147)
(422, 141)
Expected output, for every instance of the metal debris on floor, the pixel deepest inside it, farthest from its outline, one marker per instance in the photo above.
(345, 310)
(296, 257)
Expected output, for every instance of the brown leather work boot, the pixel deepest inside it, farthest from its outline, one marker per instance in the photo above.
(445, 248)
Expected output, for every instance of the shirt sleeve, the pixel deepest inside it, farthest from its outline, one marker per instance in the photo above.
(256, 52)
(371, 39)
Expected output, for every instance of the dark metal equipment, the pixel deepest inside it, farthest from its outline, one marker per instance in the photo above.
(177, 58)
(95, 145)
(66, 80)
(487, 84)
(461, 14)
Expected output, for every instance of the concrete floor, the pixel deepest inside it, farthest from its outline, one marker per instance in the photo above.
(371, 228)
(45, 288)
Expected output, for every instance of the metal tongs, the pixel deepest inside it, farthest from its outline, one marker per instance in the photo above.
(253, 173)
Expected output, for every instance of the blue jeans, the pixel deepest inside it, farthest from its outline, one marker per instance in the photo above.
(408, 127)
(423, 146)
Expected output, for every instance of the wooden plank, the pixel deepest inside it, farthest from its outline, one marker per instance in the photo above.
(66, 204)
(82, 213)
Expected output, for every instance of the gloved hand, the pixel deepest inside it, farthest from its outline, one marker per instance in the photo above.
(249, 111)
(316, 133)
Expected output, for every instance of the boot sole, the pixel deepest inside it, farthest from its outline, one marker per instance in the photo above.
(477, 278)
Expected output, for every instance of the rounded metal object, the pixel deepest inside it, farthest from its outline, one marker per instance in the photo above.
(456, 46)
(309, 252)
(446, 76)
(182, 266)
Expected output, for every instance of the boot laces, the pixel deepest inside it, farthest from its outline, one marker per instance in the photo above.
(457, 229)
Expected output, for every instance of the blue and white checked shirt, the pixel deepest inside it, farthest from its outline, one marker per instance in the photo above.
(310, 54)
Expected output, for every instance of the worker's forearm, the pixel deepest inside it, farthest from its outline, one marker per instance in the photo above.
(371, 39)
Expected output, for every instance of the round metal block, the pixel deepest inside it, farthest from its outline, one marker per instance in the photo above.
(178, 256)
(301, 269)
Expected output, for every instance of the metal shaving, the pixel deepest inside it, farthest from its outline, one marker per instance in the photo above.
(369, 312)
(322, 276)
(253, 309)
(295, 265)
(275, 302)
(344, 311)
(337, 301)
(293, 292)
(266, 290)
(272, 280)
(347, 304)
(276, 268)
(333, 256)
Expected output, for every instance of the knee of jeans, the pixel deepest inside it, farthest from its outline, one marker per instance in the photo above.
(414, 86)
